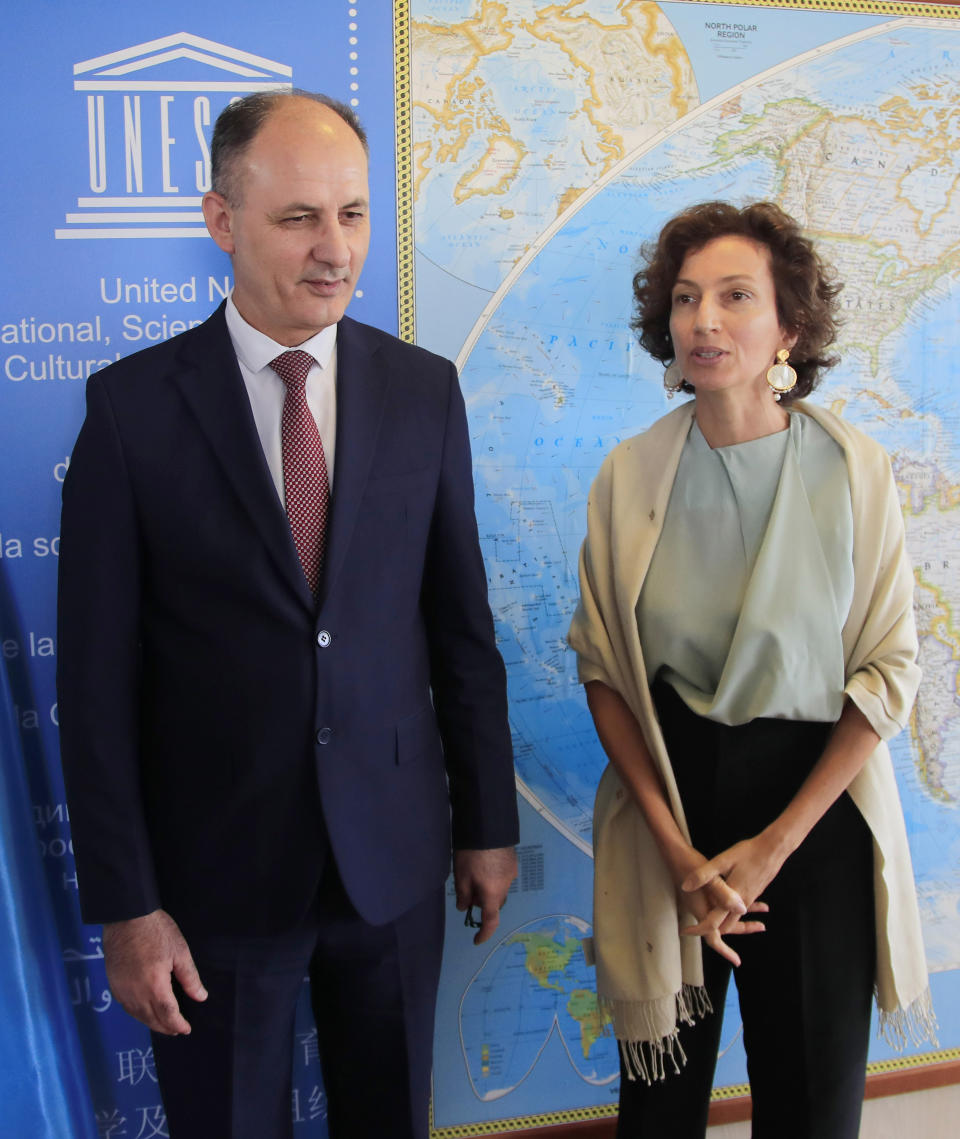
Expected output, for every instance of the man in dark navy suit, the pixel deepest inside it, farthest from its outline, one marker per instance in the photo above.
(279, 687)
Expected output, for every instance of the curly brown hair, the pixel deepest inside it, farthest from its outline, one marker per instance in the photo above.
(806, 289)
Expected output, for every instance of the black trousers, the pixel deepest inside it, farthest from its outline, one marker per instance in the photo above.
(805, 984)
(373, 990)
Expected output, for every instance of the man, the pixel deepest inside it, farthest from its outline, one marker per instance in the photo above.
(278, 679)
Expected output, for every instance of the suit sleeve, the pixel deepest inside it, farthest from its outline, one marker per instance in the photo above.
(467, 673)
(98, 676)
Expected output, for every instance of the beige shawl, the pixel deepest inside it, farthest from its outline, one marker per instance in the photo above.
(649, 977)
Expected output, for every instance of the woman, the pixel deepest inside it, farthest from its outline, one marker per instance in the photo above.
(745, 634)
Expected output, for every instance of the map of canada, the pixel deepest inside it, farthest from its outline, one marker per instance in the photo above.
(540, 192)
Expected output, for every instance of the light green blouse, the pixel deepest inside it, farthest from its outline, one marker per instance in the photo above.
(752, 578)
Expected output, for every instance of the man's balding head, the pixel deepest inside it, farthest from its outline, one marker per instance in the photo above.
(239, 123)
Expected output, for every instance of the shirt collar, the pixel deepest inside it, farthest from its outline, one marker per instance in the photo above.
(255, 349)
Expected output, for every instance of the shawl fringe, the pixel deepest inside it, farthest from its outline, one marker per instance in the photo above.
(914, 1024)
(645, 1054)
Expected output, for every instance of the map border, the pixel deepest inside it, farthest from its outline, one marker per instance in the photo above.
(406, 277)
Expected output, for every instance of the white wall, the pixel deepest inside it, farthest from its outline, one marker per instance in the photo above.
(931, 1114)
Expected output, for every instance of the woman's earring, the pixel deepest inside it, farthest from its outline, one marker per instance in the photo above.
(672, 380)
(780, 376)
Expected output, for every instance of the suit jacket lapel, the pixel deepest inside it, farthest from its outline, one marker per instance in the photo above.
(362, 383)
(212, 386)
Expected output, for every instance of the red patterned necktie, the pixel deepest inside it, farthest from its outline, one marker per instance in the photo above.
(305, 485)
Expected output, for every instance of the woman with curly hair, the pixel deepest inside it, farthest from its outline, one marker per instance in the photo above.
(745, 634)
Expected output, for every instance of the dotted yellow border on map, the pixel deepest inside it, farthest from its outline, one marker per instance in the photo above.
(406, 285)
(406, 293)
(909, 1063)
(864, 7)
(524, 1123)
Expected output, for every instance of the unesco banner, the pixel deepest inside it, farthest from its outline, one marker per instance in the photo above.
(106, 156)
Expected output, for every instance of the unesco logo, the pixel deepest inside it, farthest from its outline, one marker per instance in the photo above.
(147, 116)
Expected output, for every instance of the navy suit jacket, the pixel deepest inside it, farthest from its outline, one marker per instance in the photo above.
(222, 732)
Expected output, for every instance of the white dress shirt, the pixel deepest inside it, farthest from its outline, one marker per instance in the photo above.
(266, 391)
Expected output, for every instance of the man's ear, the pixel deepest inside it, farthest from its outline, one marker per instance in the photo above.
(218, 214)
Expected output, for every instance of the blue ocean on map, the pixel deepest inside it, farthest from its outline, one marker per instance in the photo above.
(927, 369)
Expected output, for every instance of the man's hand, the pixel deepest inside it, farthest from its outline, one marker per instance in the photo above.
(141, 954)
(482, 878)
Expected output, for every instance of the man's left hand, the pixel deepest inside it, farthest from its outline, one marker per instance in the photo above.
(482, 878)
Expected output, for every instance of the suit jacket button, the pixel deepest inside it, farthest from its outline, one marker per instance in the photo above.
(323, 736)
(324, 639)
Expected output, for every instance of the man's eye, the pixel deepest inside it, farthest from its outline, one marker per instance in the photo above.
(296, 219)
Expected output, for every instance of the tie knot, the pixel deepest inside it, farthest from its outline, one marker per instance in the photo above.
(292, 367)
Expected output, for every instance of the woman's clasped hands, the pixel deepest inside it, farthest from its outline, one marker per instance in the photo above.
(722, 890)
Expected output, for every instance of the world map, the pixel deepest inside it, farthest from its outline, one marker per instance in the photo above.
(551, 142)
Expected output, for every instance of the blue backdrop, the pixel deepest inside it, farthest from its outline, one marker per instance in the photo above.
(105, 143)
